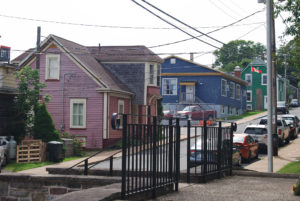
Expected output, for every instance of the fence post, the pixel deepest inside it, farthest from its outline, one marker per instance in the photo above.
(86, 167)
(154, 157)
(219, 149)
(177, 154)
(111, 165)
(188, 150)
(171, 148)
(124, 141)
(205, 151)
(230, 147)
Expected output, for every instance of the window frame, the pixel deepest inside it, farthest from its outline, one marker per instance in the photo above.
(238, 92)
(250, 91)
(151, 74)
(174, 90)
(47, 76)
(78, 101)
(158, 76)
(223, 92)
(121, 102)
(249, 106)
(262, 78)
(250, 75)
(232, 90)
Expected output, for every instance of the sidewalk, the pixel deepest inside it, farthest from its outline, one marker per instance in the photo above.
(107, 154)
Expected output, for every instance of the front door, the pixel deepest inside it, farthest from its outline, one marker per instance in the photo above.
(190, 93)
(259, 99)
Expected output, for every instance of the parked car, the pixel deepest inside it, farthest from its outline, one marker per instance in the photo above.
(282, 107)
(236, 156)
(4, 150)
(293, 122)
(294, 103)
(196, 112)
(283, 129)
(247, 146)
(168, 113)
(260, 134)
(2, 157)
(197, 156)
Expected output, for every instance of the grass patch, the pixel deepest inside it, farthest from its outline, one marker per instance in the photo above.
(16, 167)
(293, 167)
(246, 114)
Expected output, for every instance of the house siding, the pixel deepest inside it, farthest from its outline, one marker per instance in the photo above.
(133, 74)
(77, 85)
(207, 87)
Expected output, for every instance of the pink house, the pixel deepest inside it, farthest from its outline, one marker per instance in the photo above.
(87, 85)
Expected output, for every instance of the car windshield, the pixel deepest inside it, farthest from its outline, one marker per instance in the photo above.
(288, 118)
(265, 122)
(188, 108)
(257, 131)
(238, 139)
(294, 101)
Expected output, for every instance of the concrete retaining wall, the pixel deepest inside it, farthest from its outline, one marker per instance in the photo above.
(17, 187)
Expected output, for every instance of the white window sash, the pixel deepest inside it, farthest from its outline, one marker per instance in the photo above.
(172, 84)
(78, 113)
(52, 66)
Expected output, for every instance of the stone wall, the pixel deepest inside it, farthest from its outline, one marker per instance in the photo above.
(18, 187)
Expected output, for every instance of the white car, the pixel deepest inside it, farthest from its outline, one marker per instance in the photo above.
(293, 122)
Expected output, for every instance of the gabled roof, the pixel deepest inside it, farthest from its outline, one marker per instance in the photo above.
(124, 54)
(217, 72)
(82, 55)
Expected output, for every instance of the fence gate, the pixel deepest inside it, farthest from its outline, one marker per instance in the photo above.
(209, 151)
(150, 156)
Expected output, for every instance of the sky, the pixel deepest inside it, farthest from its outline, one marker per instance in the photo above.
(123, 22)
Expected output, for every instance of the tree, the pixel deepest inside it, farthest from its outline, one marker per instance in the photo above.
(28, 96)
(293, 20)
(237, 53)
(44, 127)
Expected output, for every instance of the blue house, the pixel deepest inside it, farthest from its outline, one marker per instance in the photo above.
(185, 82)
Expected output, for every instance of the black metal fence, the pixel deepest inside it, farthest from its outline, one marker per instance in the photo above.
(150, 156)
(209, 151)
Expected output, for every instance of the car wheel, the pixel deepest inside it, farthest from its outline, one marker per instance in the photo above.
(275, 151)
(240, 161)
(249, 157)
(287, 140)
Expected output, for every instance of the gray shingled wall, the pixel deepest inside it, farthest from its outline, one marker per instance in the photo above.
(133, 75)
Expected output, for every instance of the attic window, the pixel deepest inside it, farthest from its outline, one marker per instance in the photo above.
(52, 66)
(173, 61)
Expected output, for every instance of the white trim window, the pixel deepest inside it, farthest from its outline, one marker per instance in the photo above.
(248, 78)
(169, 86)
(232, 89)
(264, 78)
(121, 110)
(223, 87)
(238, 92)
(223, 109)
(78, 113)
(52, 66)
(249, 96)
(249, 106)
(158, 75)
(151, 74)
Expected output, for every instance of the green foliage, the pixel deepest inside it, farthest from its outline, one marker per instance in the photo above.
(28, 96)
(237, 53)
(292, 21)
(78, 147)
(246, 114)
(44, 128)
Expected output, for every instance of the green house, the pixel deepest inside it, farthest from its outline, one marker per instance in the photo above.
(256, 76)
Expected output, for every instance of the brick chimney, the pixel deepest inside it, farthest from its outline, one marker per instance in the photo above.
(237, 72)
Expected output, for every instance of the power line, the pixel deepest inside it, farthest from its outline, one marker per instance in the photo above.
(222, 10)
(174, 18)
(174, 25)
(223, 27)
(251, 31)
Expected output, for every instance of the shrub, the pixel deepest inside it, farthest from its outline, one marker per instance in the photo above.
(44, 128)
(78, 144)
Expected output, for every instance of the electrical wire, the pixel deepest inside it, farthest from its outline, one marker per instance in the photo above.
(173, 25)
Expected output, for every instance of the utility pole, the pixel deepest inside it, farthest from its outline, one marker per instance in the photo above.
(38, 48)
(285, 78)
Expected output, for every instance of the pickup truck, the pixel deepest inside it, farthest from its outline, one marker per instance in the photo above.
(283, 130)
(196, 113)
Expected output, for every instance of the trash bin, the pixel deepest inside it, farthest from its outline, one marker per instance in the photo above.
(54, 151)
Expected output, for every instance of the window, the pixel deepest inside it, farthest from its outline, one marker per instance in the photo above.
(223, 109)
(238, 92)
(264, 80)
(52, 66)
(249, 96)
(169, 86)
(173, 61)
(121, 111)
(249, 106)
(78, 113)
(223, 87)
(248, 78)
(151, 74)
(158, 75)
(229, 110)
(232, 89)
